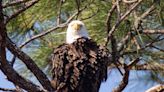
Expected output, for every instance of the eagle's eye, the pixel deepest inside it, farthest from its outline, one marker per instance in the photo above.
(76, 26)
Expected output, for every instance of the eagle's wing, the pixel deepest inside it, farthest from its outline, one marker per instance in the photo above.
(79, 67)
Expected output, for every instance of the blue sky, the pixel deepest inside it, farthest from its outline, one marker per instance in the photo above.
(138, 81)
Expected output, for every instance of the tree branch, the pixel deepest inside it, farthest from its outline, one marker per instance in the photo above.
(121, 19)
(51, 30)
(142, 48)
(141, 67)
(115, 56)
(109, 16)
(11, 74)
(129, 2)
(157, 88)
(14, 77)
(59, 12)
(124, 81)
(150, 31)
(42, 78)
(7, 89)
(13, 3)
(21, 10)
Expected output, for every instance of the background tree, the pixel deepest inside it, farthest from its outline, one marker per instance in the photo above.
(131, 29)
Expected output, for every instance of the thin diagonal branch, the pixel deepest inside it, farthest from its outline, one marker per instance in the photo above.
(94, 14)
(121, 19)
(129, 2)
(158, 48)
(133, 63)
(13, 3)
(109, 16)
(142, 48)
(5, 67)
(21, 10)
(42, 78)
(51, 30)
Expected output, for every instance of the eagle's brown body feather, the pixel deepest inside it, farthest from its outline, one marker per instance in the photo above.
(79, 67)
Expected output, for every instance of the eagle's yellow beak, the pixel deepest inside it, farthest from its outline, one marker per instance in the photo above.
(76, 26)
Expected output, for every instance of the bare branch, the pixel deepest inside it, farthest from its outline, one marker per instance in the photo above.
(157, 88)
(157, 48)
(150, 31)
(42, 78)
(124, 81)
(147, 12)
(109, 16)
(94, 14)
(118, 9)
(148, 67)
(133, 63)
(59, 12)
(13, 61)
(78, 7)
(145, 66)
(5, 67)
(142, 48)
(14, 77)
(7, 89)
(129, 2)
(13, 3)
(115, 53)
(21, 10)
(125, 40)
(137, 19)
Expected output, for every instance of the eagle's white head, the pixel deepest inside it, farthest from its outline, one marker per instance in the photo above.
(76, 29)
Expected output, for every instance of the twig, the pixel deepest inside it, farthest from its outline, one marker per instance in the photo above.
(13, 60)
(146, 46)
(121, 19)
(125, 40)
(94, 14)
(145, 66)
(137, 21)
(133, 63)
(129, 2)
(59, 12)
(50, 30)
(148, 66)
(109, 16)
(20, 11)
(78, 7)
(150, 31)
(148, 11)
(13, 3)
(118, 9)
(7, 89)
(157, 48)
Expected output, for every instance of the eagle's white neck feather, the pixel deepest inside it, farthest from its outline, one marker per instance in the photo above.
(72, 34)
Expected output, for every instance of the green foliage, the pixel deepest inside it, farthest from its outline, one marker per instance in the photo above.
(45, 14)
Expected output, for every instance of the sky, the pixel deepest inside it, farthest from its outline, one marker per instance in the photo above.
(137, 81)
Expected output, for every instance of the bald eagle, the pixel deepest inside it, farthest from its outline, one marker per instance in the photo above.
(79, 65)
